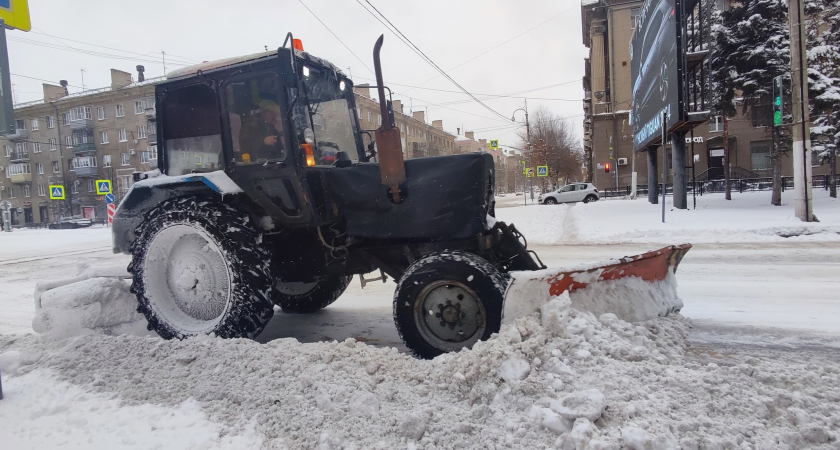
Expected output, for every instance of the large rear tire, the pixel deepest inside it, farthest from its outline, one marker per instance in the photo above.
(306, 298)
(447, 301)
(198, 268)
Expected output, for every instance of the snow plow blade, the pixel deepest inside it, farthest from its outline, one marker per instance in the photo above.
(634, 288)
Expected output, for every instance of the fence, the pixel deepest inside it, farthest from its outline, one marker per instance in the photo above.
(715, 186)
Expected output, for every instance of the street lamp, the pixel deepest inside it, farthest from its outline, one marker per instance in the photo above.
(530, 150)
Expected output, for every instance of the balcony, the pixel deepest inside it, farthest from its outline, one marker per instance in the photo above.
(84, 149)
(19, 157)
(151, 139)
(87, 172)
(83, 124)
(151, 114)
(20, 135)
(21, 178)
(20, 173)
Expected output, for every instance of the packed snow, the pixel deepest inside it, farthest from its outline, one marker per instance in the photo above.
(82, 371)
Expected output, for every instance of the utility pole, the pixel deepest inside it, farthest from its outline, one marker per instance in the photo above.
(803, 199)
(530, 151)
(61, 147)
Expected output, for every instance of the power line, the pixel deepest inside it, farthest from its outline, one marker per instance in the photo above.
(193, 61)
(41, 79)
(503, 43)
(419, 52)
(335, 35)
(86, 52)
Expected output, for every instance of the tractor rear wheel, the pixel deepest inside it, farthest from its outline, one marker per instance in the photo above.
(447, 301)
(198, 268)
(305, 298)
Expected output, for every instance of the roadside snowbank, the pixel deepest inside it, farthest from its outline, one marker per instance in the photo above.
(748, 217)
(561, 378)
(102, 305)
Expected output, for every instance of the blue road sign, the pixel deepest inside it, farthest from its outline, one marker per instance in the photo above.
(109, 198)
(103, 187)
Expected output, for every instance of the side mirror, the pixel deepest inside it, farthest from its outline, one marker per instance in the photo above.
(343, 159)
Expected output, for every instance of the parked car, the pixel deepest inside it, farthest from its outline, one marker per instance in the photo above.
(577, 192)
(70, 223)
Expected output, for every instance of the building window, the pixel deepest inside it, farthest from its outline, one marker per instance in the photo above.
(34, 124)
(68, 141)
(103, 137)
(11, 192)
(50, 122)
(369, 117)
(402, 128)
(84, 161)
(120, 110)
(100, 113)
(760, 155)
(8, 151)
(27, 190)
(65, 118)
(122, 137)
(138, 107)
(40, 167)
(144, 157)
(126, 182)
(70, 165)
(20, 124)
(91, 185)
(762, 115)
(141, 132)
(56, 167)
(152, 152)
(716, 124)
(124, 159)
(634, 17)
(53, 144)
(42, 190)
(74, 187)
(378, 119)
(106, 160)
(36, 147)
(80, 113)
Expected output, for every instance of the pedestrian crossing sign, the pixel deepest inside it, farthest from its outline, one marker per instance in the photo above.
(542, 171)
(494, 144)
(15, 14)
(103, 187)
(56, 192)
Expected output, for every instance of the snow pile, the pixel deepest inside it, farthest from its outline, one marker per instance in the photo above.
(748, 217)
(89, 306)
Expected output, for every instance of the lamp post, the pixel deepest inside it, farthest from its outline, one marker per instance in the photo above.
(530, 150)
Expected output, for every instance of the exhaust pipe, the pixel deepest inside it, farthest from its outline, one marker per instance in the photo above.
(389, 146)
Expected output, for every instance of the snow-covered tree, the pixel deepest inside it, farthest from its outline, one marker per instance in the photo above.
(824, 81)
(760, 29)
(722, 80)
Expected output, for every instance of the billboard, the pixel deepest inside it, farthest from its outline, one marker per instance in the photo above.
(654, 71)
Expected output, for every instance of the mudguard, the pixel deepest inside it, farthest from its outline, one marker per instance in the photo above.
(146, 194)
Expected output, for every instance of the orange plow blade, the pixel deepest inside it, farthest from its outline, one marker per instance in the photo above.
(634, 288)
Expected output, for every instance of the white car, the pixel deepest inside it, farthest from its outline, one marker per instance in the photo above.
(577, 192)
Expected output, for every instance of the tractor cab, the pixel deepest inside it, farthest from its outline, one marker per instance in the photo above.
(275, 122)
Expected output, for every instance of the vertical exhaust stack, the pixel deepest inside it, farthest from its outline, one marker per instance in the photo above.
(389, 146)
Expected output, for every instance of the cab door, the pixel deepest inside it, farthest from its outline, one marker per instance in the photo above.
(259, 147)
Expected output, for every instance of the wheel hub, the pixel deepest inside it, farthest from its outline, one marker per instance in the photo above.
(187, 280)
(449, 315)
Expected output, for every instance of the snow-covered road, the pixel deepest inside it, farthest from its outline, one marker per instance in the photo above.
(761, 369)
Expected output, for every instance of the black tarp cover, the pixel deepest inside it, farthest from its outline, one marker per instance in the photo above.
(446, 198)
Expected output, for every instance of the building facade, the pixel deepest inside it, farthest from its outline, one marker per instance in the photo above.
(608, 27)
(418, 138)
(74, 140)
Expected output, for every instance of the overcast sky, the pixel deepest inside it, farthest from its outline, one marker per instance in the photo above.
(546, 61)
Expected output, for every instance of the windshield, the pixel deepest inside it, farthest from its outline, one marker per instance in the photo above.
(326, 110)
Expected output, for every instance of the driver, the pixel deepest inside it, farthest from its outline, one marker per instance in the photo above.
(267, 134)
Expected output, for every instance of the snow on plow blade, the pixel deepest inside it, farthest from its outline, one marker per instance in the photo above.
(634, 288)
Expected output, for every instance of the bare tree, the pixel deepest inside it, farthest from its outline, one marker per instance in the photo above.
(555, 145)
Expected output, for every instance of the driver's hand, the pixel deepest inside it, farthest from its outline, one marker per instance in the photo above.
(270, 140)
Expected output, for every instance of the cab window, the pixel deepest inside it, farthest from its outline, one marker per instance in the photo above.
(256, 122)
(192, 135)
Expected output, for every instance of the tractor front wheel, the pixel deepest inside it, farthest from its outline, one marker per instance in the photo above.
(198, 268)
(305, 298)
(447, 301)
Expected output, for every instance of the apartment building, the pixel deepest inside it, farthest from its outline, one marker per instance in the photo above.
(608, 27)
(75, 139)
(418, 138)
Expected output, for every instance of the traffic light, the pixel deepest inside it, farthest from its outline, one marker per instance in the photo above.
(777, 101)
(607, 168)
